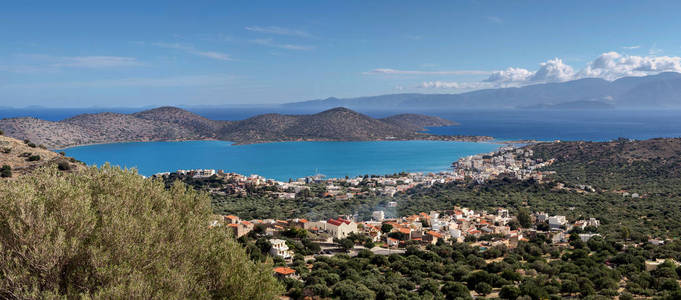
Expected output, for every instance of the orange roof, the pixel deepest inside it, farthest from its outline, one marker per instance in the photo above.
(302, 221)
(404, 230)
(232, 225)
(246, 223)
(232, 217)
(435, 234)
(392, 239)
(284, 271)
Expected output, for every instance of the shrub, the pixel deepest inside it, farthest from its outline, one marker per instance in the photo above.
(6, 171)
(109, 233)
(33, 158)
(63, 166)
(32, 145)
(2, 132)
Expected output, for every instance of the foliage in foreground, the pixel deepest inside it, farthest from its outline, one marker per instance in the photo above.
(109, 233)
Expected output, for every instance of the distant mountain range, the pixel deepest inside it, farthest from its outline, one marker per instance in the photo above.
(655, 91)
(170, 124)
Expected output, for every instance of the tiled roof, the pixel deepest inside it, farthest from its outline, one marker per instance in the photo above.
(284, 271)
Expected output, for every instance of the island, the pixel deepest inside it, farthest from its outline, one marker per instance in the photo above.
(175, 124)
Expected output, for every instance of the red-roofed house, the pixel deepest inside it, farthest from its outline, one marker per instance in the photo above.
(284, 272)
(431, 237)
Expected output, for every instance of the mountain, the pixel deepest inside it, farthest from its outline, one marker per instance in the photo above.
(170, 123)
(655, 91)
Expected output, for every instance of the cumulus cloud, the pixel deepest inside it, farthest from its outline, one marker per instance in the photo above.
(386, 71)
(278, 31)
(192, 50)
(608, 66)
(612, 65)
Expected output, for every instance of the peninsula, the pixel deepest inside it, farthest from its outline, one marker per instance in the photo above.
(175, 124)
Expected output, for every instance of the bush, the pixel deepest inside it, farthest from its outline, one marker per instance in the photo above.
(109, 233)
(33, 158)
(63, 166)
(2, 132)
(32, 145)
(6, 171)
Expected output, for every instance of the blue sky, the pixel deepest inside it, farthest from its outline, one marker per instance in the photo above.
(142, 53)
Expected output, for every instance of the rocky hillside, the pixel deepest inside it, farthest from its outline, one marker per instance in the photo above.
(22, 157)
(416, 122)
(169, 123)
(649, 165)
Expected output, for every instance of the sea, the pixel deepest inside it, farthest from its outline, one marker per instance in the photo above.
(338, 159)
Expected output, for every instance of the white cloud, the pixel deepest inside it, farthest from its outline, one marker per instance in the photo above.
(631, 47)
(608, 66)
(454, 85)
(179, 81)
(96, 62)
(273, 44)
(278, 31)
(612, 65)
(192, 50)
(386, 71)
(41, 63)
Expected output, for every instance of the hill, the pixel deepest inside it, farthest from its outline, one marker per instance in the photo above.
(648, 166)
(24, 157)
(416, 122)
(655, 91)
(170, 124)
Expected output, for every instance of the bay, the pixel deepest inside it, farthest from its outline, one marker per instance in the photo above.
(283, 160)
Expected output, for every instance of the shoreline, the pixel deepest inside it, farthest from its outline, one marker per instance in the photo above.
(469, 139)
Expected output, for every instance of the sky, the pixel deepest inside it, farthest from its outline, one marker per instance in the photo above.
(193, 53)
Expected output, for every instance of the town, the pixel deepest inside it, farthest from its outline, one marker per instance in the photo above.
(508, 160)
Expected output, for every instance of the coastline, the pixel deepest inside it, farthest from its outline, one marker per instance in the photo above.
(470, 139)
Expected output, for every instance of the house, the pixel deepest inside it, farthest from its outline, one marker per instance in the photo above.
(393, 242)
(284, 272)
(585, 237)
(280, 249)
(431, 237)
(556, 222)
(340, 228)
(241, 229)
(378, 215)
(231, 219)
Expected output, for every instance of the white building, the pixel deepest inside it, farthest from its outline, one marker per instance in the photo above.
(280, 249)
(556, 222)
(378, 215)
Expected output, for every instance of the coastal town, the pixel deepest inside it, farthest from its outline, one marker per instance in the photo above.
(507, 160)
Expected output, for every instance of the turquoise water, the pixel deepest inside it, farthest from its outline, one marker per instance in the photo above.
(283, 160)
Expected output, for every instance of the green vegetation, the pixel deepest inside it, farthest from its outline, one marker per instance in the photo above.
(6, 171)
(108, 233)
(33, 158)
(63, 166)
(535, 269)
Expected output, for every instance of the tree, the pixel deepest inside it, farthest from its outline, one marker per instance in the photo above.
(483, 288)
(33, 158)
(6, 171)
(509, 292)
(385, 228)
(346, 244)
(455, 290)
(2, 132)
(96, 234)
(524, 218)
